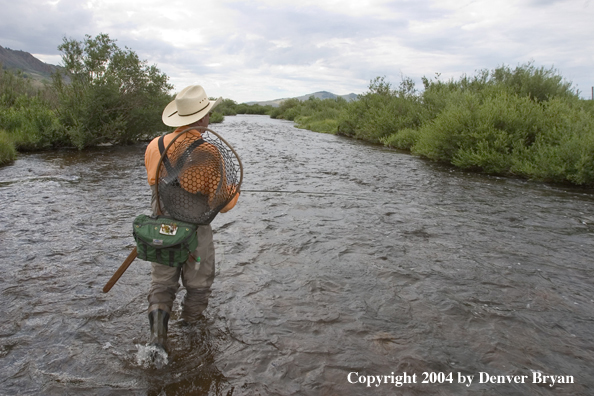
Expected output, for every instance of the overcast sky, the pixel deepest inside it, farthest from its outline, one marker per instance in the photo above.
(269, 49)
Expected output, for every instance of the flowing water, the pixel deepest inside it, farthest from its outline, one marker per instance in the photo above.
(370, 261)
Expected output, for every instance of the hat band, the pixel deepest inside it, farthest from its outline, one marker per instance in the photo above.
(187, 115)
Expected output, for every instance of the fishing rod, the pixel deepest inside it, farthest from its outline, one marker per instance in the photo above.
(307, 193)
(295, 192)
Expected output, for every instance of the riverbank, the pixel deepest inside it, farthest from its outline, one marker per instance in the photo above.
(11, 144)
(33, 119)
(525, 122)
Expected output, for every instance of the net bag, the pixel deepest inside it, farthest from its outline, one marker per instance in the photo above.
(198, 175)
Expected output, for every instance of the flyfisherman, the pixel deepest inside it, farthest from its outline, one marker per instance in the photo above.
(190, 109)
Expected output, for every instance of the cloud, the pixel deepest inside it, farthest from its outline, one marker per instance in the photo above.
(265, 49)
(32, 26)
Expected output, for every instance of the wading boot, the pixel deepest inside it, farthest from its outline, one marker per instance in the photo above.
(158, 320)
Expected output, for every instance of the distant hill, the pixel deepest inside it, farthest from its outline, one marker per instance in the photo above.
(320, 95)
(31, 66)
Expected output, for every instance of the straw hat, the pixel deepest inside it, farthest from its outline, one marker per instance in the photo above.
(189, 106)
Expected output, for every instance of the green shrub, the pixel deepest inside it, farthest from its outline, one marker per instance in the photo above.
(508, 134)
(287, 110)
(404, 139)
(484, 135)
(13, 85)
(327, 125)
(382, 111)
(112, 96)
(564, 151)
(253, 109)
(226, 107)
(7, 148)
(314, 114)
(538, 83)
(216, 117)
(32, 124)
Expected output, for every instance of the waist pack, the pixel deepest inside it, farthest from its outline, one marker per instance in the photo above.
(164, 240)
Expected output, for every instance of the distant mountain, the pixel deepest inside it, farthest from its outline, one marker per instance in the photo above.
(31, 66)
(320, 95)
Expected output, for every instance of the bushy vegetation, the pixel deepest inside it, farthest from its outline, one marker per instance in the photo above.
(112, 97)
(314, 114)
(383, 111)
(7, 149)
(27, 121)
(526, 121)
(103, 95)
(229, 107)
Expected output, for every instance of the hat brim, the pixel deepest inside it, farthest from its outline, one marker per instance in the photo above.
(172, 118)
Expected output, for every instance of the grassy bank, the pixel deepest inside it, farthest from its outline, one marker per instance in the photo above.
(527, 122)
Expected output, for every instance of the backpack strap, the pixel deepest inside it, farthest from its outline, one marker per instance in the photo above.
(187, 154)
(165, 159)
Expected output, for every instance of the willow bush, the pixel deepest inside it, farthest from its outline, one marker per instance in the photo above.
(320, 115)
(7, 148)
(564, 150)
(382, 111)
(253, 109)
(525, 121)
(112, 96)
(229, 107)
(403, 139)
(26, 116)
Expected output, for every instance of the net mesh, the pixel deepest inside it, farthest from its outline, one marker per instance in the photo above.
(199, 175)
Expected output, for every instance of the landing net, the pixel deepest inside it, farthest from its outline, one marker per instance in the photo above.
(198, 175)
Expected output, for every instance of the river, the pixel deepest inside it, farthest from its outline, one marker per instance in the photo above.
(370, 262)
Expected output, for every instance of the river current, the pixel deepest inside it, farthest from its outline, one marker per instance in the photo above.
(341, 261)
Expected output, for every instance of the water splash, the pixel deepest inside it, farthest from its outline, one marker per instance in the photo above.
(151, 356)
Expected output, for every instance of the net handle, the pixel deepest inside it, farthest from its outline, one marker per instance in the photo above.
(201, 130)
